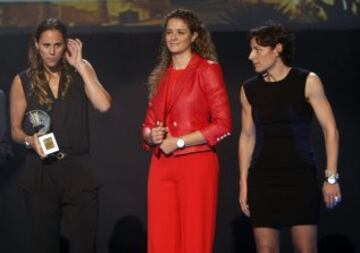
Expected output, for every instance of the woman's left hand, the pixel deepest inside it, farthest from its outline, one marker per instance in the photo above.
(169, 144)
(332, 194)
(74, 53)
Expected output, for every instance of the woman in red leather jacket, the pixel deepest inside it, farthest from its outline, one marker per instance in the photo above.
(188, 114)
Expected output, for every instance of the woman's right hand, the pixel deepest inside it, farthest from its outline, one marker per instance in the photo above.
(243, 199)
(35, 145)
(157, 134)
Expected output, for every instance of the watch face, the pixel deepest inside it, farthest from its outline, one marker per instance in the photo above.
(27, 144)
(331, 180)
(180, 143)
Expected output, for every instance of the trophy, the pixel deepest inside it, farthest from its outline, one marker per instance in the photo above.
(40, 123)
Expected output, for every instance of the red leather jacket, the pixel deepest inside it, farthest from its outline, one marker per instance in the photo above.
(199, 102)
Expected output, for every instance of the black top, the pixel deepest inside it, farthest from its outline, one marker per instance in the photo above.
(283, 122)
(69, 116)
(5, 147)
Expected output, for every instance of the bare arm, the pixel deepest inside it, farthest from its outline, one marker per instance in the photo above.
(246, 148)
(94, 90)
(17, 112)
(315, 94)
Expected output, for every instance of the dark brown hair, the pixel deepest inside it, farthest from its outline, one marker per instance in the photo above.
(270, 34)
(36, 69)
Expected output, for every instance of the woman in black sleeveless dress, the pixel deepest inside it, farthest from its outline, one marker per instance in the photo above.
(278, 185)
(59, 83)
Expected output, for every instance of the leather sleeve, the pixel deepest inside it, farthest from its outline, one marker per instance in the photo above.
(149, 122)
(218, 102)
(154, 113)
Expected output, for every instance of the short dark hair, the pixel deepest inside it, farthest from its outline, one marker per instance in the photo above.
(270, 34)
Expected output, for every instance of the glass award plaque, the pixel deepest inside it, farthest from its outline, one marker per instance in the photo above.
(40, 122)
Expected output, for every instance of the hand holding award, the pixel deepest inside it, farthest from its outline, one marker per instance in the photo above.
(40, 122)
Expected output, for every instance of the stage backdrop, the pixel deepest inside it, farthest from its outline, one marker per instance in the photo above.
(147, 14)
(123, 61)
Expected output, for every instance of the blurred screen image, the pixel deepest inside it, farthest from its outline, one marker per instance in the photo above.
(218, 14)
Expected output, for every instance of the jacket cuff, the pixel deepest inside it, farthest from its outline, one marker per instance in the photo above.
(214, 135)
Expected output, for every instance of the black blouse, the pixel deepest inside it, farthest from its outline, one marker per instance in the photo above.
(69, 116)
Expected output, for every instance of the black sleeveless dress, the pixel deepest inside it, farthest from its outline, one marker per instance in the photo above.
(282, 184)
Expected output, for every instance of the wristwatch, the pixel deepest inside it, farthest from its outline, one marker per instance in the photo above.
(331, 177)
(26, 142)
(180, 143)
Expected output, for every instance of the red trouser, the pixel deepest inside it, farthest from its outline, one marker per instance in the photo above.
(182, 198)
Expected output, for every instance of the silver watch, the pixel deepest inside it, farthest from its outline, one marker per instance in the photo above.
(331, 178)
(27, 143)
(180, 143)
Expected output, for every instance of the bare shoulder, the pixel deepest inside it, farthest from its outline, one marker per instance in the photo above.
(16, 83)
(313, 84)
(243, 99)
(16, 87)
(313, 78)
(314, 87)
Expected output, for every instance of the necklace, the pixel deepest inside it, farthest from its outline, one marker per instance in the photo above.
(270, 78)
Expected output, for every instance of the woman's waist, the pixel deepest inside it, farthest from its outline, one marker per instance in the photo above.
(268, 168)
(186, 150)
(185, 155)
(62, 154)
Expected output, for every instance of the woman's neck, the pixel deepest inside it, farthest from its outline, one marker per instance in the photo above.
(180, 61)
(52, 72)
(276, 73)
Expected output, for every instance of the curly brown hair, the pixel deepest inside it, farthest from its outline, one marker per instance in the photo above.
(36, 69)
(202, 45)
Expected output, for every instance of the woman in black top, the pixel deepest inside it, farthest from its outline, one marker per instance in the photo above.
(278, 185)
(60, 83)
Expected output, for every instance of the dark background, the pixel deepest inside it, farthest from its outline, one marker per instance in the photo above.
(123, 61)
